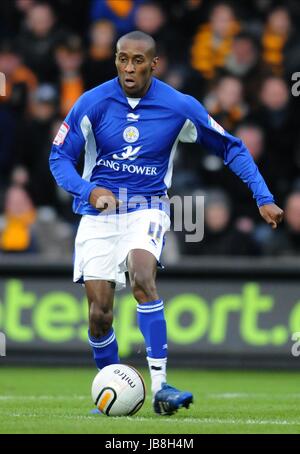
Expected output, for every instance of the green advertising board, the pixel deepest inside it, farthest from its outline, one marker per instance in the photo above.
(203, 317)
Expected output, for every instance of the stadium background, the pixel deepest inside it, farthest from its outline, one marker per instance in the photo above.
(232, 299)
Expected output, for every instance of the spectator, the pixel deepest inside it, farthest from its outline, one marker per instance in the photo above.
(221, 237)
(100, 64)
(243, 56)
(73, 14)
(69, 60)
(244, 62)
(179, 76)
(55, 238)
(20, 80)
(276, 116)
(12, 13)
(296, 159)
(7, 144)
(253, 137)
(214, 174)
(59, 199)
(186, 16)
(20, 177)
(19, 217)
(280, 43)
(34, 143)
(286, 240)
(150, 18)
(213, 41)
(37, 41)
(120, 12)
(226, 102)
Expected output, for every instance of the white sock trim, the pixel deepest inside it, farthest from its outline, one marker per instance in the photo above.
(157, 360)
(158, 377)
(104, 343)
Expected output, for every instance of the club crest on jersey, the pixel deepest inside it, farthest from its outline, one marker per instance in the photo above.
(216, 125)
(62, 134)
(131, 134)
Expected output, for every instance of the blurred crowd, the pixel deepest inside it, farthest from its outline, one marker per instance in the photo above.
(237, 58)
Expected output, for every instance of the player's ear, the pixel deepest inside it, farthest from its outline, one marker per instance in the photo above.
(154, 63)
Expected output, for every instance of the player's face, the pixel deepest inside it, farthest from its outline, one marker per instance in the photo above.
(135, 64)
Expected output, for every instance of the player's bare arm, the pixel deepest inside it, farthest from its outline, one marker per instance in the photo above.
(103, 199)
(272, 214)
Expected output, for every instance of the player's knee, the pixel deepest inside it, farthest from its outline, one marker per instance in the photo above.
(143, 287)
(100, 320)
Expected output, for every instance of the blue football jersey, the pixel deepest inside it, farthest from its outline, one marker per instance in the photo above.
(131, 148)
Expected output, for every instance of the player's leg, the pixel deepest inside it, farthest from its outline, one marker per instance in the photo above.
(150, 310)
(100, 295)
(95, 265)
(150, 315)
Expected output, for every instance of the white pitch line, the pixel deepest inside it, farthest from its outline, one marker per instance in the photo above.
(251, 396)
(224, 421)
(198, 421)
(48, 397)
(205, 396)
(66, 397)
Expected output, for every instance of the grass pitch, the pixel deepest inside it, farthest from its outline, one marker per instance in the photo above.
(58, 401)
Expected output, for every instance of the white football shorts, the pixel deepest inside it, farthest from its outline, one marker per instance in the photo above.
(103, 243)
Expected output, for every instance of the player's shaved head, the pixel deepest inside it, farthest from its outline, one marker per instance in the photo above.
(139, 36)
(135, 61)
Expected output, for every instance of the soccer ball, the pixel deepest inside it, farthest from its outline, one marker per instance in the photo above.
(118, 390)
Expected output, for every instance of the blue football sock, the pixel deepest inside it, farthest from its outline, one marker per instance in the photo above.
(105, 349)
(151, 321)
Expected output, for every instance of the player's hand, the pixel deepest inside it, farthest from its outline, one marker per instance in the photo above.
(272, 214)
(104, 200)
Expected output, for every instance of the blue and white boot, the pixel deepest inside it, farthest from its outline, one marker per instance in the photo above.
(168, 400)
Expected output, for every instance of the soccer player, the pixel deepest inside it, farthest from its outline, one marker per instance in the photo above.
(130, 127)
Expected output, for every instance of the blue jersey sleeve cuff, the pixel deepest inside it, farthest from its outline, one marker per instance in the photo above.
(87, 192)
(265, 201)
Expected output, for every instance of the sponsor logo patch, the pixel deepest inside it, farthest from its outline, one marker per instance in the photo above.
(216, 125)
(129, 153)
(132, 117)
(62, 134)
